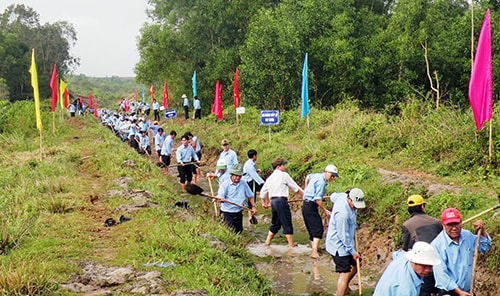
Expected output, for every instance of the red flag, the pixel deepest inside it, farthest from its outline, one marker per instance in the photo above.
(91, 103)
(66, 98)
(480, 84)
(136, 95)
(96, 114)
(165, 95)
(217, 106)
(152, 92)
(53, 86)
(236, 91)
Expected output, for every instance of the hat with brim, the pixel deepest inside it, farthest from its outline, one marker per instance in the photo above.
(221, 164)
(423, 253)
(358, 198)
(278, 161)
(237, 170)
(332, 170)
(450, 215)
(415, 200)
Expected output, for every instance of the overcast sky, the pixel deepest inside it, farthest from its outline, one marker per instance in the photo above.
(107, 31)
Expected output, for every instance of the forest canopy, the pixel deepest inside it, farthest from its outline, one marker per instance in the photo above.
(20, 31)
(374, 51)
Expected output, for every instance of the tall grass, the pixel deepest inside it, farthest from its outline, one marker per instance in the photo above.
(45, 210)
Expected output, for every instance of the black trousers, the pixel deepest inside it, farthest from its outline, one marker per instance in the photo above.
(234, 221)
(312, 219)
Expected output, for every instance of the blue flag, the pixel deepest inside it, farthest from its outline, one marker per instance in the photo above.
(305, 90)
(143, 94)
(193, 79)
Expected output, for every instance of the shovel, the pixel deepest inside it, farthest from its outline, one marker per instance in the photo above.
(195, 189)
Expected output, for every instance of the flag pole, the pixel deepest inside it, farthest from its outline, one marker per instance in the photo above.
(41, 145)
(53, 122)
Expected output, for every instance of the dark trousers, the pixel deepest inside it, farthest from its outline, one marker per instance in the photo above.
(185, 173)
(234, 221)
(197, 114)
(255, 189)
(312, 219)
(443, 292)
(281, 216)
(186, 112)
(156, 115)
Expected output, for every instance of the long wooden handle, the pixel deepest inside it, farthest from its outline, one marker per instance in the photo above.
(229, 202)
(474, 261)
(358, 266)
(480, 214)
(212, 192)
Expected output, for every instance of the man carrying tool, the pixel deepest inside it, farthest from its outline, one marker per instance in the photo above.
(167, 150)
(233, 190)
(455, 247)
(420, 227)
(315, 187)
(405, 273)
(274, 194)
(340, 235)
(185, 157)
(251, 177)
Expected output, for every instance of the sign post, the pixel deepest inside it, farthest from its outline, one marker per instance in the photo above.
(269, 117)
(170, 114)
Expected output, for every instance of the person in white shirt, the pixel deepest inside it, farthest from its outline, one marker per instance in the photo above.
(274, 194)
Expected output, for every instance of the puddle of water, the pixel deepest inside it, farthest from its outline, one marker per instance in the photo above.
(292, 271)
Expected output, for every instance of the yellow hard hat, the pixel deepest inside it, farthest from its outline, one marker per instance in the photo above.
(415, 200)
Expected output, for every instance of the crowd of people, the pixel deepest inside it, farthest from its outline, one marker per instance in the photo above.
(436, 255)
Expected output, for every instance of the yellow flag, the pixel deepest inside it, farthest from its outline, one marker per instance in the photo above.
(36, 95)
(62, 89)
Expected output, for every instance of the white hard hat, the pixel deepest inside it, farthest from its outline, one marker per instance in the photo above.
(221, 164)
(423, 253)
(358, 198)
(332, 169)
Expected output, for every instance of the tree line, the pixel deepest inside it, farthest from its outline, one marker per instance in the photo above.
(374, 51)
(21, 30)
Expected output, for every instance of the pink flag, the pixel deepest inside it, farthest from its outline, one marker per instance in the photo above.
(91, 102)
(236, 91)
(165, 95)
(480, 84)
(217, 106)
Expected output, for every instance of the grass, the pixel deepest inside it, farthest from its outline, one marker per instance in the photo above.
(49, 222)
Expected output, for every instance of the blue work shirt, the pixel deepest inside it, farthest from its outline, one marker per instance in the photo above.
(197, 104)
(455, 270)
(316, 187)
(158, 140)
(166, 148)
(399, 278)
(250, 171)
(234, 192)
(230, 157)
(144, 141)
(341, 227)
(185, 154)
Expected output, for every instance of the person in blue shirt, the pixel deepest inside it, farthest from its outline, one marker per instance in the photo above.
(228, 154)
(144, 147)
(158, 140)
(315, 187)
(340, 235)
(197, 108)
(404, 275)
(185, 155)
(254, 181)
(156, 110)
(235, 191)
(166, 151)
(455, 247)
(222, 173)
(185, 105)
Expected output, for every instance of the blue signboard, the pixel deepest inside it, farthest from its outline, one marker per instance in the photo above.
(269, 116)
(170, 113)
